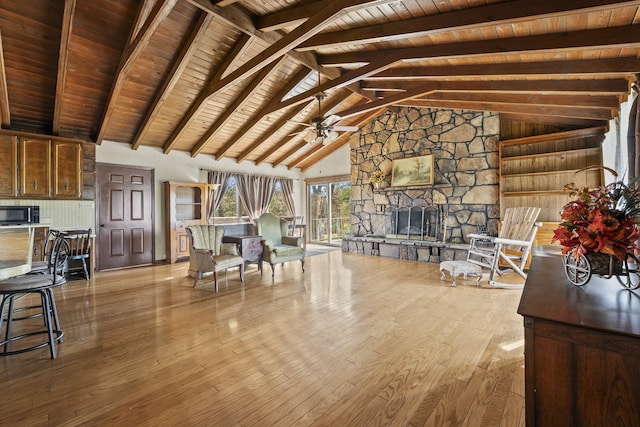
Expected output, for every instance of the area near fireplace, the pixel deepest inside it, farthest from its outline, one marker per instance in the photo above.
(429, 222)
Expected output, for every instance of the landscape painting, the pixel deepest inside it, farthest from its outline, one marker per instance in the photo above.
(412, 171)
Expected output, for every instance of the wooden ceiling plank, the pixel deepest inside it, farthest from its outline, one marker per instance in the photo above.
(63, 62)
(299, 146)
(236, 17)
(615, 37)
(259, 115)
(301, 33)
(5, 112)
(327, 107)
(224, 3)
(296, 14)
(239, 47)
(605, 66)
(291, 16)
(270, 131)
(344, 80)
(338, 143)
(145, 9)
(231, 109)
(190, 45)
(160, 12)
(460, 20)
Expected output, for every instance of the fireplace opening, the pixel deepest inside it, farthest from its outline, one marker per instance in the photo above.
(426, 223)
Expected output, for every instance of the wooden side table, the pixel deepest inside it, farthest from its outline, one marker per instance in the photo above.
(250, 248)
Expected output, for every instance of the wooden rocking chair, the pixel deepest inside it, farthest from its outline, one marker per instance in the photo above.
(512, 246)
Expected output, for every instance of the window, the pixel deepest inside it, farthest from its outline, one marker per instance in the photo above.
(230, 208)
(277, 206)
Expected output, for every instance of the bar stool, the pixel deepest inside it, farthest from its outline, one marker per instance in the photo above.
(42, 285)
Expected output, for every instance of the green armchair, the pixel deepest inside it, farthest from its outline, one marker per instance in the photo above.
(208, 253)
(277, 246)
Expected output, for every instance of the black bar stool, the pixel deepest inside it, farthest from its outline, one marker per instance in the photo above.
(42, 285)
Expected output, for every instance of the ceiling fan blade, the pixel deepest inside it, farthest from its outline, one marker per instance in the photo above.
(332, 119)
(346, 128)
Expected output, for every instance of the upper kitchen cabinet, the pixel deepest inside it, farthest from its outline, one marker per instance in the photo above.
(35, 168)
(8, 165)
(67, 170)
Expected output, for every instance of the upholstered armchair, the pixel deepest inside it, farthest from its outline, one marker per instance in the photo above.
(208, 253)
(277, 246)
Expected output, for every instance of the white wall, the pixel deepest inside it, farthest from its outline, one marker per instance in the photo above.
(614, 147)
(338, 163)
(180, 166)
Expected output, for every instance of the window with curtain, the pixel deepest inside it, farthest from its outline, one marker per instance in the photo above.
(230, 207)
(278, 207)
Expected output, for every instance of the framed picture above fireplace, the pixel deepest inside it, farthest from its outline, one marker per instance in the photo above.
(412, 171)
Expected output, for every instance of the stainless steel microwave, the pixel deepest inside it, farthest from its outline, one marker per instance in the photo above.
(18, 215)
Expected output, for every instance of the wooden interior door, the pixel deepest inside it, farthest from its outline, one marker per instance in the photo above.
(125, 216)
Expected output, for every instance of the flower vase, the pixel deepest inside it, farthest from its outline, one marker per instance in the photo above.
(377, 185)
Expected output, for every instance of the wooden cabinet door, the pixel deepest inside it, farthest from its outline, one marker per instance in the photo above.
(8, 165)
(67, 170)
(35, 167)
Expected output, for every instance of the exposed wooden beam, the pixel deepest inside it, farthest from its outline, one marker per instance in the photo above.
(5, 112)
(385, 102)
(619, 67)
(332, 103)
(240, 20)
(238, 101)
(278, 124)
(614, 37)
(594, 87)
(63, 62)
(190, 45)
(131, 53)
(239, 47)
(301, 33)
(288, 17)
(224, 3)
(583, 101)
(551, 120)
(273, 52)
(549, 110)
(345, 79)
(261, 114)
(491, 15)
(337, 144)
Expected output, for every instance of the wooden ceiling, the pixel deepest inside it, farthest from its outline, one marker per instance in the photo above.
(235, 78)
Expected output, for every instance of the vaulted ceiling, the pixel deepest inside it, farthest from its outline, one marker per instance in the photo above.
(238, 78)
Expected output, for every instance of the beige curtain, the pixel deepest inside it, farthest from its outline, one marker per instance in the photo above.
(287, 192)
(215, 177)
(255, 193)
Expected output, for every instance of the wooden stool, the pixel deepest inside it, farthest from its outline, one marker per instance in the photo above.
(460, 267)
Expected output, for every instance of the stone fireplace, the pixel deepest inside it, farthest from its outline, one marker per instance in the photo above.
(435, 218)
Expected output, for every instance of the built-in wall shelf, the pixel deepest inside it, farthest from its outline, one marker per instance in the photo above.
(535, 170)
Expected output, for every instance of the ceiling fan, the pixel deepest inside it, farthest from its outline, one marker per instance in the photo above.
(322, 129)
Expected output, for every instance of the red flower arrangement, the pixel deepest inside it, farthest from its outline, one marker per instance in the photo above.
(604, 220)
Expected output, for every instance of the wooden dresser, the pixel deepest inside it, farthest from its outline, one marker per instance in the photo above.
(582, 349)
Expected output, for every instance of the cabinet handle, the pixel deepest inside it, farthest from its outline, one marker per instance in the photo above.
(66, 186)
(35, 185)
(0, 183)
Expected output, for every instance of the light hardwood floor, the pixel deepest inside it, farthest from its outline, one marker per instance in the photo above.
(353, 341)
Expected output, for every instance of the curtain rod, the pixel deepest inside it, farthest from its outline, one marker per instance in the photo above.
(270, 176)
